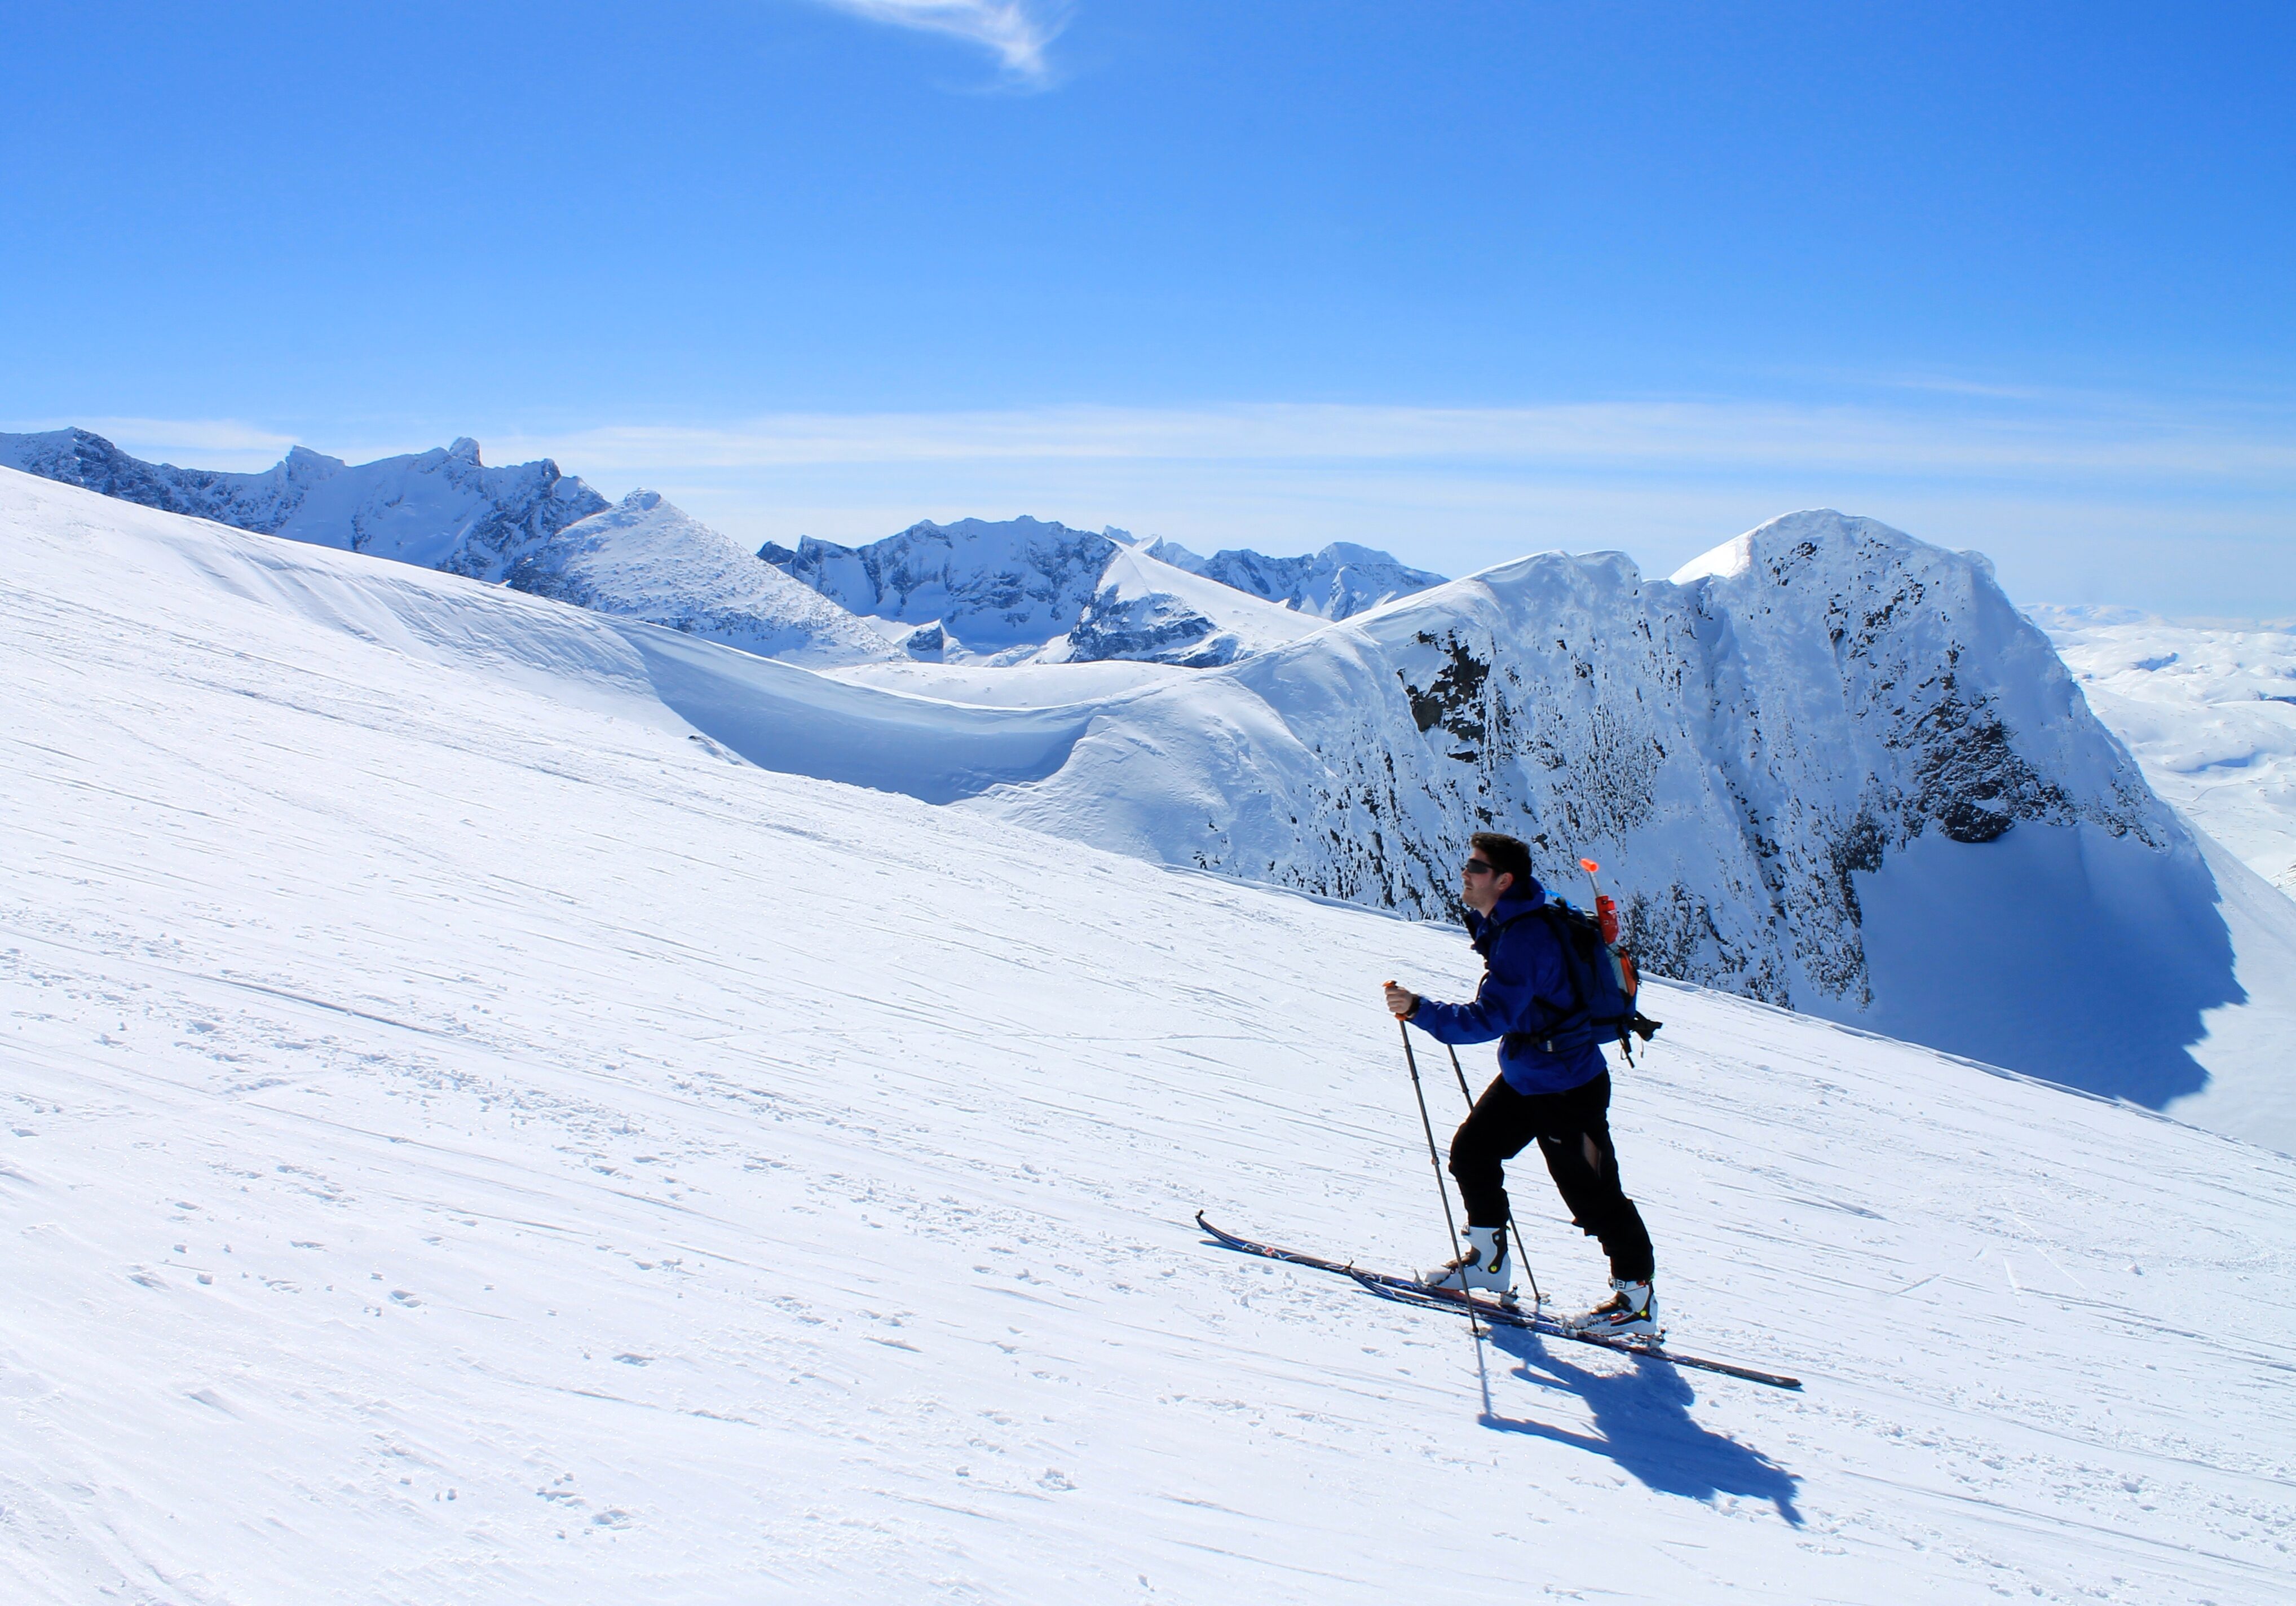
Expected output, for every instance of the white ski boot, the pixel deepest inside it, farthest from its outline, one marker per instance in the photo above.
(1631, 1312)
(1485, 1265)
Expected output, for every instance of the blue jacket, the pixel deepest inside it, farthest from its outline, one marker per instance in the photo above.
(1526, 989)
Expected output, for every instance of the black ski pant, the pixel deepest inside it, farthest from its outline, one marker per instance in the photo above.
(1572, 1130)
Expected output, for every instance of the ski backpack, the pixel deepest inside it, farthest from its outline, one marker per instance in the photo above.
(1602, 972)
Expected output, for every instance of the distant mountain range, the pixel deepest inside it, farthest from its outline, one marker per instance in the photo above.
(441, 509)
(1828, 765)
(1016, 590)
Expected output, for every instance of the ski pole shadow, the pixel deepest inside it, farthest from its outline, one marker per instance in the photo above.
(1643, 1422)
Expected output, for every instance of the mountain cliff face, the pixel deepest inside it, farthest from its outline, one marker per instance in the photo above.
(646, 560)
(1338, 582)
(442, 509)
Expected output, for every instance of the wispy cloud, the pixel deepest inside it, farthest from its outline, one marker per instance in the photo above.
(1019, 32)
(2076, 498)
(2013, 443)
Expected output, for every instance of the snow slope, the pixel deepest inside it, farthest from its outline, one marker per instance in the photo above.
(646, 560)
(470, 1140)
(2210, 714)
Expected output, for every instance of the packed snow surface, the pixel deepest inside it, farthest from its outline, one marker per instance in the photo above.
(2209, 712)
(471, 1139)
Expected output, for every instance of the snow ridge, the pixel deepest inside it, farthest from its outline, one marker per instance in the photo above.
(646, 560)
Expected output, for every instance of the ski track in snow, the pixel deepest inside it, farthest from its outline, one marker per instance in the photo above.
(469, 1141)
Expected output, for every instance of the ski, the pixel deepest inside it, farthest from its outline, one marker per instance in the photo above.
(1408, 1290)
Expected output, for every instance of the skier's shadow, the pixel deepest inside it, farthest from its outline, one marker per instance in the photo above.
(1642, 1421)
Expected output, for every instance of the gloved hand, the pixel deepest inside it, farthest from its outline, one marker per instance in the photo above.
(1402, 1001)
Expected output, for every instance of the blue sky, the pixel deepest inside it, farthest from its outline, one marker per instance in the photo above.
(1462, 279)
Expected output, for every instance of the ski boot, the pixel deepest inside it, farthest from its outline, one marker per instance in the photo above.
(1485, 1265)
(1631, 1312)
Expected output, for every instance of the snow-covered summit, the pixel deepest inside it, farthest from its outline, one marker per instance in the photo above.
(1337, 582)
(646, 560)
(441, 509)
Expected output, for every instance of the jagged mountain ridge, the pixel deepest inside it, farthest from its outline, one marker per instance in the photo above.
(1019, 587)
(1337, 582)
(992, 588)
(529, 526)
(1019, 590)
(442, 509)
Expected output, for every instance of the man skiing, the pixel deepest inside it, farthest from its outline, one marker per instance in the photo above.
(1553, 1088)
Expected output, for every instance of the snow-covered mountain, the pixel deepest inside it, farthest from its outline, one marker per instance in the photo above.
(1339, 581)
(2208, 713)
(1830, 767)
(973, 591)
(1027, 590)
(973, 587)
(441, 509)
(470, 1142)
(646, 560)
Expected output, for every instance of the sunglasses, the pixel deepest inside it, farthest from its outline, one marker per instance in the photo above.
(1476, 867)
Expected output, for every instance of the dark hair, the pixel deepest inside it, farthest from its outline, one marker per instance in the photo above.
(1508, 855)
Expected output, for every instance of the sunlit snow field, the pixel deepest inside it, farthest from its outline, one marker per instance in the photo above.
(470, 1140)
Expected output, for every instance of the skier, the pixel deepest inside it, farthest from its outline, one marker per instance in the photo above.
(1552, 1087)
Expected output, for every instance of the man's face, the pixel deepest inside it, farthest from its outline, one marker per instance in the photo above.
(1481, 886)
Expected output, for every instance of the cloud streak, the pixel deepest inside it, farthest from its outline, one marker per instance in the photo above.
(1018, 33)
(2016, 444)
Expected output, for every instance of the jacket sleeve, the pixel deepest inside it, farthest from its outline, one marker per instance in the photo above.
(1525, 988)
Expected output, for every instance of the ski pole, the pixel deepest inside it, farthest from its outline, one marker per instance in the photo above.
(1442, 1189)
(1458, 1070)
